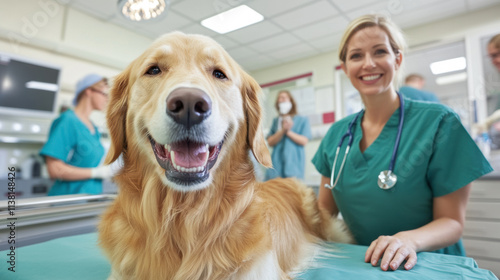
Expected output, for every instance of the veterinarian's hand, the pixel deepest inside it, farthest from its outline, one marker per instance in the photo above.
(287, 124)
(393, 250)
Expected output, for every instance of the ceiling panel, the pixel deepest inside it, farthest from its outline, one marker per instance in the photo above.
(242, 53)
(258, 62)
(321, 29)
(327, 43)
(426, 14)
(274, 43)
(255, 32)
(272, 8)
(171, 22)
(378, 8)
(410, 5)
(347, 6)
(199, 10)
(294, 52)
(225, 42)
(199, 29)
(98, 8)
(305, 15)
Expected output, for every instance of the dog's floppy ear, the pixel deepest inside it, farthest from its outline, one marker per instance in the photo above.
(116, 115)
(251, 104)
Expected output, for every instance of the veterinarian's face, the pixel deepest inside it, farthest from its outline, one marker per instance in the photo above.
(187, 103)
(494, 54)
(371, 63)
(99, 96)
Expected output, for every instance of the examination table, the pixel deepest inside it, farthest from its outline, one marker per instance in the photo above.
(77, 257)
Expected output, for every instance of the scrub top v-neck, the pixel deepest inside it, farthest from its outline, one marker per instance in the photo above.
(436, 156)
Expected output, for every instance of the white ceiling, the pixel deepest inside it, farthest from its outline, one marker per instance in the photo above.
(292, 29)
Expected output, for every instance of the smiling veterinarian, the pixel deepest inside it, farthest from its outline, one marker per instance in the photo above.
(436, 158)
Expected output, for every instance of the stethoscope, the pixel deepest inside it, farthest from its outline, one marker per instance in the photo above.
(386, 179)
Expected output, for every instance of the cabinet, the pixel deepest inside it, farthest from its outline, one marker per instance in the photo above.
(482, 226)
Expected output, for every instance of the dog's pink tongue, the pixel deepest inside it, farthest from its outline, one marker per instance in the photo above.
(190, 154)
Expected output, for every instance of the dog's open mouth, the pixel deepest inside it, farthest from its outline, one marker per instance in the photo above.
(186, 162)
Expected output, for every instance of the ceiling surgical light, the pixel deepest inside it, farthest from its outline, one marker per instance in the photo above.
(141, 10)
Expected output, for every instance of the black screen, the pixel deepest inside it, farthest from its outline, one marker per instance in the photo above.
(14, 77)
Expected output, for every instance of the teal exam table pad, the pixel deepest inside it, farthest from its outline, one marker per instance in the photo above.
(79, 258)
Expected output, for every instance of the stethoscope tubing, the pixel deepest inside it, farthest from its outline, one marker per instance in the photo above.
(349, 133)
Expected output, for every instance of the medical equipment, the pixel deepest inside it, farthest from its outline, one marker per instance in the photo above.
(386, 179)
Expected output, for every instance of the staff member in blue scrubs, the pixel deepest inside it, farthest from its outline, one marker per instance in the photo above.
(288, 135)
(436, 159)
(73, 150)
(413, 89)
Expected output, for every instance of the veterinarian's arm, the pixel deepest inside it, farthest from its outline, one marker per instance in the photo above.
(297, 138)
(445, 230)
(59, 170)
(276, 138)
(325, 198)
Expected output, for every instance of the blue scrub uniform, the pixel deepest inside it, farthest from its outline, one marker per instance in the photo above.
(289, 158)
(436, 156)
(416, 94)
(71, 141)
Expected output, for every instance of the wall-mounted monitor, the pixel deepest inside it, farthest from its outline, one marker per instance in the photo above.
(28, 87)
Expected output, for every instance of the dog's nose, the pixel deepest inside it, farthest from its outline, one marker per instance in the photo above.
(188, 106)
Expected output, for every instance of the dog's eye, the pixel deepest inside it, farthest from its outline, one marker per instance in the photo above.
(153, 70)
(219, 75)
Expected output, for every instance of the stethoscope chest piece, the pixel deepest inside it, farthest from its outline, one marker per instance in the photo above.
(387, 179)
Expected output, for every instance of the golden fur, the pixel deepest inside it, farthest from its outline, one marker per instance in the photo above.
(232, 227)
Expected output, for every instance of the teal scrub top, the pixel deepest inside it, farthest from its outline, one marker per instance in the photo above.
(416, 94)
(436, 156)
(289, 158)
(72, 142)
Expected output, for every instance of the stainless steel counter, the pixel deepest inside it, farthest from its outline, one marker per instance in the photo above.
(35, 220)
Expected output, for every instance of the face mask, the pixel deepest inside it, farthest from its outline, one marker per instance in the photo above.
(285, 107)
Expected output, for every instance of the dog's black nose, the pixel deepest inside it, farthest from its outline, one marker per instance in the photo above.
(188, 106)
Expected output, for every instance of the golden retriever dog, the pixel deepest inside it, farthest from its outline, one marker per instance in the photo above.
(185, 116)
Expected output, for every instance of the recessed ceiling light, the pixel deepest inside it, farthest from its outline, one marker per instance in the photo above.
(42, 86)
(450, 79)
(233, 19)
(449, 65)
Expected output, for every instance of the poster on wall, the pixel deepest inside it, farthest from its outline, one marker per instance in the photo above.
(305, 99)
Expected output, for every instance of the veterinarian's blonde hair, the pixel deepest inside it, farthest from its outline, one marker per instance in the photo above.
(396, 37)
(293, 111)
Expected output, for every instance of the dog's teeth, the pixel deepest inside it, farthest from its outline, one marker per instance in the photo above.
(167, 146)
(184, 169)
(206, 158)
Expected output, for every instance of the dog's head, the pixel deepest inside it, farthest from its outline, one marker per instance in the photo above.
(179, 106)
